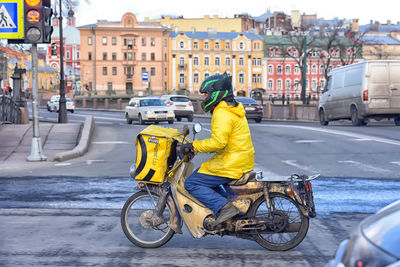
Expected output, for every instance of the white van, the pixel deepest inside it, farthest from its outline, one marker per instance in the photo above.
(370, 89)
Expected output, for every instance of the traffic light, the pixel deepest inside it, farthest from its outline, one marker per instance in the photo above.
(37, 21)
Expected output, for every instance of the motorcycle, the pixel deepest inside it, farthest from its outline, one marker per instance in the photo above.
(274, 211)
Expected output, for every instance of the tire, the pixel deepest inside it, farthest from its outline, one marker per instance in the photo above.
(145, 237)
(322, 119)
(72, 111)
(397, 121)
(258, 120)
(128, 120)
(48, 108)
(280, 241)
(178, 118)
(355, 120)
(190, 118)
(141, 122)
(171, 122)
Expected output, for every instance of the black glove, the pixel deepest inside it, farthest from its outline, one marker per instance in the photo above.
(186, 148)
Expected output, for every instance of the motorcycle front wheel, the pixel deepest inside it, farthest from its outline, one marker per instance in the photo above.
(290, 225)
(135, 223)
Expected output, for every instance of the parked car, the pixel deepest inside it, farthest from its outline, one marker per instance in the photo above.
(148, 109)
(54, 104)
(253, 109)
(375, 242)
(370, 89)
(181, 105)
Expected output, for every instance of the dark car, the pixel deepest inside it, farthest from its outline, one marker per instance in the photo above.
(253, 109)
(375, 242)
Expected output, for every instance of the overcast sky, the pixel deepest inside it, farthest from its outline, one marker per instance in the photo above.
(89, 11)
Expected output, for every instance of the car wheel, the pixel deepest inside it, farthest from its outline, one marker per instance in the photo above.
(322, 119)
(128, 120)
(72, 111)
(190, 118)
(178, 118)
(48, 108)
(171, 122)
(397, 121)
(141, 122)
(355, 120)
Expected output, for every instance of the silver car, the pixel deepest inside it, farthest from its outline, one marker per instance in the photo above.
(148, 109)
(181, 105)
(54, 104)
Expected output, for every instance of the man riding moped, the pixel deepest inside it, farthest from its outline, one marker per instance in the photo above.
(230, 141)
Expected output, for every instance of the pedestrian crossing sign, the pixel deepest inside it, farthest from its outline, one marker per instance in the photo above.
(11, 19)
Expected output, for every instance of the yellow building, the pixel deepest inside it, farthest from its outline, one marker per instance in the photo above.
(239, 23)
(197, 55)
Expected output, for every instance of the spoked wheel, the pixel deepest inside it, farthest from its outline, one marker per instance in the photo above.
(135, 221)
(289, 225)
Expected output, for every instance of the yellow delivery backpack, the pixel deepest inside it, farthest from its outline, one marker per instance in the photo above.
(156, 153)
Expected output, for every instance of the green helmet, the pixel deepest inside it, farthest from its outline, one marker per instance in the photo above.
(218, 87)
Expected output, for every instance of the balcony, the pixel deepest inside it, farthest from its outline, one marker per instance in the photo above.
(129, 77)
(130, 62)
(182, 66)
(182, 86)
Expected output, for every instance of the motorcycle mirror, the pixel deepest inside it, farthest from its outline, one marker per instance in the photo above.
(197, 128)
(185, 130)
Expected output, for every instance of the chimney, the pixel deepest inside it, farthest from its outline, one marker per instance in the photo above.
(388, 22)
(355, 26)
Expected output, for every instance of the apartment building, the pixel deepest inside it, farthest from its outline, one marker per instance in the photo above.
(115, 54)
(197, 55)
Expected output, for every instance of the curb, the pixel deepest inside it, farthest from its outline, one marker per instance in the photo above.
(83, 144)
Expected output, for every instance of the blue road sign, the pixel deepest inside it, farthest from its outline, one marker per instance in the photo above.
(11, 19)
(145, 76)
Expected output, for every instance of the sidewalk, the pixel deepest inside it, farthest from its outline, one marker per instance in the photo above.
(60, 141)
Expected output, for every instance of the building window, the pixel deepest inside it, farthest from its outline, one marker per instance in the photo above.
(104, 70)
(314, 85)
(104, 40)
(314, 69)
(206, 61)
(130, 56)
(114, 56)
(322, 69)
(270, 69)
(181, 44)
(165, 42)
(296, 69)
(78, 55)
(288, 69)
(296, 84)
(241, 45)
(206, 75)
(217, 61)
(114, 40)
(90, 55)
(153, 42)
(227, 45)
(254, 62)
(254, 78)
(68, 54)
(196, 61)
(288, 84)
(153, 56)
(114, 70)
(109, 86)
(195, 45)
(89, 40)
(181, 61)
(143, 56)
(196, 78)
(279, 69)
(241, 78)
(143, 41)
(227, 61)
(153, 71)
(104, 56)
(206, 45)
(217, 45)
(181, 78)
(270, 84)
(279, 84)
(259, 78)
(259, 61)
(241, 61)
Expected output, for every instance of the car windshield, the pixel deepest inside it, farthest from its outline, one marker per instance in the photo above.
(151, 102)
(179, 99)
(246, 100)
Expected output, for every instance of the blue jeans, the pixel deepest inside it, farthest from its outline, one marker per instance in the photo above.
(208, 189)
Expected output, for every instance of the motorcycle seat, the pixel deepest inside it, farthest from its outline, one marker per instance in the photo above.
(248, 176)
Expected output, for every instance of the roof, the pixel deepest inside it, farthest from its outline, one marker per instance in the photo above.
(217, 35)
(380, 28)
(380, 40)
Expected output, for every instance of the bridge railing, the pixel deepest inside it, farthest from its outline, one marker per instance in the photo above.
(9, 110)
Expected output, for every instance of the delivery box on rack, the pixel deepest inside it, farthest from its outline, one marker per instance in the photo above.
(156, 153)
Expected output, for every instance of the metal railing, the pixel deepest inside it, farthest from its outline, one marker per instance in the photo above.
(9, 110)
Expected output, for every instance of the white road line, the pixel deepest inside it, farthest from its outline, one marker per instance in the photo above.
(90, 161)
(360, 139)
(337, 132)
(294, 164)
(364, 167)
(103, 118)
(308, 141)
(395, 162)
(62, 164)
(110, 143)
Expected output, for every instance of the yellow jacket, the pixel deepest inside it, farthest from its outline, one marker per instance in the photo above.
(231, 142)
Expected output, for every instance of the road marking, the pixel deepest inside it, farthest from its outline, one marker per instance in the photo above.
(395, 162)
(111, 143)
(62, 164)
(364, 167)
(361, 139)
(308, 141)
(294, 164)
(102, 118)
(90, 161)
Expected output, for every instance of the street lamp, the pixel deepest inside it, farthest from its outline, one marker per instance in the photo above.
(62, 115)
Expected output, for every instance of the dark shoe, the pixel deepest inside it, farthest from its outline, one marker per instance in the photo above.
(225, 213)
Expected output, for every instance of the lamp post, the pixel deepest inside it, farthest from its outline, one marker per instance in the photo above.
(62, 114)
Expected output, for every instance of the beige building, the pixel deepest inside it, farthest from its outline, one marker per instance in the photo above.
(115, 54)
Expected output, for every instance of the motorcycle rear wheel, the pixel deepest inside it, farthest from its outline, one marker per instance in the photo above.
(132, 215)
(280, 241)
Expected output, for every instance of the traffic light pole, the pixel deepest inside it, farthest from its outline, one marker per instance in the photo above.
(36, 147)
(62, 114)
